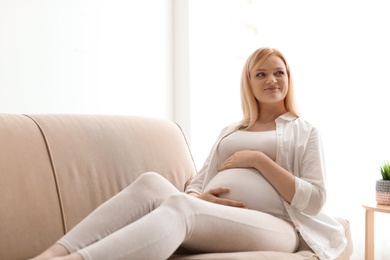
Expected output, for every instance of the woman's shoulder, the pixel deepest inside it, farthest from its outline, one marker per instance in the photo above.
(302, 121)
(299, 122)
(230, 128)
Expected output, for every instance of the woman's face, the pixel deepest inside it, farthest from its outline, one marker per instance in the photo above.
(269, 81)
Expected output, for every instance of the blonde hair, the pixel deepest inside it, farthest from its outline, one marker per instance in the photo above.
(250, 106)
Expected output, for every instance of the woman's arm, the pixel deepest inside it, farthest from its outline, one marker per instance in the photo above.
(310, 190)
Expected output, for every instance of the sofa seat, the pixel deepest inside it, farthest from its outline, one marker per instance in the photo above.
(56, 169)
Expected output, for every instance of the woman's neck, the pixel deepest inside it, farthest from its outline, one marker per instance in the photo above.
(268, 114)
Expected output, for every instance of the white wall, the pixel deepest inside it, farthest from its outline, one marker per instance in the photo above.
(86, 56)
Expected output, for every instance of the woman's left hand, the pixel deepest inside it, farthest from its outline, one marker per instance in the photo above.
(240, 159)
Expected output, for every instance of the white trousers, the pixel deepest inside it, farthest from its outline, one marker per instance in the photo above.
(150, 219)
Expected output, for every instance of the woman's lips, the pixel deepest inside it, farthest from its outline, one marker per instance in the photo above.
(271, 88)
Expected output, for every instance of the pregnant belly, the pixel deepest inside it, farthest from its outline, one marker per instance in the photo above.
(249, 186)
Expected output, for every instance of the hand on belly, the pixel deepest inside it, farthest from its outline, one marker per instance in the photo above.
(247, 185)
(214, 195)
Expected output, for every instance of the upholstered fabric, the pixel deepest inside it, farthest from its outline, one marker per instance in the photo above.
(302, 255)
(30, 213)
(95, 157)
(56, 169)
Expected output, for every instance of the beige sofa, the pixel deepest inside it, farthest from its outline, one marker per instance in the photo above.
(55, 169)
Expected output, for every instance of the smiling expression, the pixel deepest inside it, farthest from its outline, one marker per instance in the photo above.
(269, 81)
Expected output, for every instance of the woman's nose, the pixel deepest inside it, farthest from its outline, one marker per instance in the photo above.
(271, 80)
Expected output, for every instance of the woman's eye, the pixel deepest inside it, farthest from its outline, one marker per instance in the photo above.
(261, 74)
(280, 73)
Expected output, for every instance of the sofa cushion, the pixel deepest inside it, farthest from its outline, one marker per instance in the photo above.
(96, 156)
(258, 255)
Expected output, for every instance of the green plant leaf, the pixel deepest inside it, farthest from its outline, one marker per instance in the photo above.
(385, 171)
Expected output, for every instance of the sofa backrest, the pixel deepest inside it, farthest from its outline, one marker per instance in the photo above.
(56, 169)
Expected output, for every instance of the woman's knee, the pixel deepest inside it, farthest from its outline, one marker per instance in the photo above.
(150, 177)
(152, 183)
(149, 180)
(181, 202)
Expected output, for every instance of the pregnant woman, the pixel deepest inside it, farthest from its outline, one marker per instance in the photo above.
(261, 187)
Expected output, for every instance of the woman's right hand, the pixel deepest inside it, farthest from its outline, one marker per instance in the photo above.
(212, 196)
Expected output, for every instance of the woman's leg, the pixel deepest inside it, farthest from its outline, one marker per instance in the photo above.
(230, 229)
(197, 225)
(141, 197)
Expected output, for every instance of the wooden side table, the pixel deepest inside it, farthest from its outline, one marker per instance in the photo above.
(370, 209)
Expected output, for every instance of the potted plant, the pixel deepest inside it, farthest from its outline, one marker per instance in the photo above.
(383, 185)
